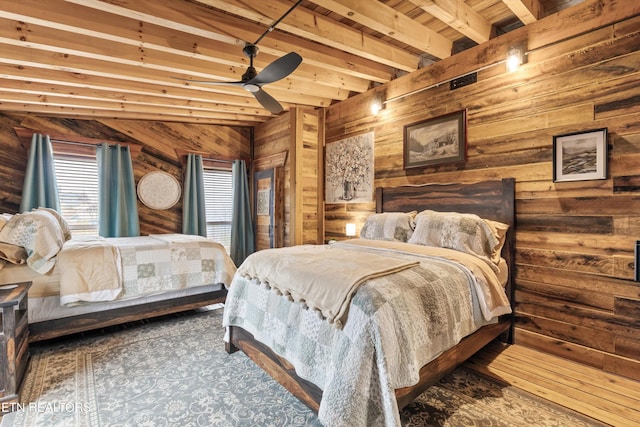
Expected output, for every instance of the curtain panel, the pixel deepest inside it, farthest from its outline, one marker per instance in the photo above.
(242, 233)
(117, 200)
(40, 188)
(194, 217)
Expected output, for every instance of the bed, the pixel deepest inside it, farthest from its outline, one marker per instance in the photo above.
(89, 282)
(343, 362)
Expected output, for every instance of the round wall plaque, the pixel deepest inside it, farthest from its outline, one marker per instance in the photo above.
(159, 190)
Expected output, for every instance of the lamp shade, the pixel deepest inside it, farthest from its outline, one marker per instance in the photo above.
(350, 230)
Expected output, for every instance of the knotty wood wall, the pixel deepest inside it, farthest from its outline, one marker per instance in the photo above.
(158, 139)
(574, 240)
(298, 132)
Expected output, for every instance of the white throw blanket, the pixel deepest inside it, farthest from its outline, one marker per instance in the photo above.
(89, 271)
(300, 272)
(96, 269)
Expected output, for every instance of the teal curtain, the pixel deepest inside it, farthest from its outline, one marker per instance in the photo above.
(194, 218)
(40, 189)
(242, 235)
(117, 201)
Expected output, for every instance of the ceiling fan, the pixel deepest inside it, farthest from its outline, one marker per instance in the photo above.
(252, 81)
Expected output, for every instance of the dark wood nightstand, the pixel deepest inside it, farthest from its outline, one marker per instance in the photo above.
(14, 339)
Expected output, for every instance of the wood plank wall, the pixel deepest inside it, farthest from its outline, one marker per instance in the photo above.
(158, 140)
(575, 297)
(299, 133)
(274, 137)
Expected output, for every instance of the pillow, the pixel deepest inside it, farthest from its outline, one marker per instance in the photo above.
(396, 226)
(66, 231)
(460, 231)
(501, 232)
(12, 253)
(4, 218)
(39, 233)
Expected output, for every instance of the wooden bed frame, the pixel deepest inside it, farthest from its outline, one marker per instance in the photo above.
(488, 199)
(54, 328)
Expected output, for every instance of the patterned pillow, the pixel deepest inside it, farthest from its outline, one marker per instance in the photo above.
(460, 231)
(66, 231)
(396, 226)
(39, 233)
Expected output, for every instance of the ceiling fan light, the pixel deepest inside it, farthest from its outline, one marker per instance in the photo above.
(250, 87)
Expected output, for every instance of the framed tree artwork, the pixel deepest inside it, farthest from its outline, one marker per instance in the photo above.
(349, 170)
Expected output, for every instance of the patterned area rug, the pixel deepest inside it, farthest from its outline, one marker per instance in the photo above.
(175, 372)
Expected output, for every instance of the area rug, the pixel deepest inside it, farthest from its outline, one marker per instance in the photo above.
(175, 372)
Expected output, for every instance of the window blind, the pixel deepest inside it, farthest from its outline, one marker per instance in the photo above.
(77, 179)
(218, 195)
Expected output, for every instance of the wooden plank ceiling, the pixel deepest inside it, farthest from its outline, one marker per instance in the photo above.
(124, 58)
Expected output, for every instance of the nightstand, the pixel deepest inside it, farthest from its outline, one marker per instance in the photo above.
(14, 339)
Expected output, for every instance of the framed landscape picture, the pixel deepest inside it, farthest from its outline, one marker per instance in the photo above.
(436, 141)
(580, 156)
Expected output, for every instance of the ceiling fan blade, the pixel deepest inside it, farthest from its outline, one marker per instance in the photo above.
(278, 69)
(209, 82)
(268, 101)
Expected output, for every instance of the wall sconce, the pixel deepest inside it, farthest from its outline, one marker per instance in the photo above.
(515, 58)
(350, 230)
(377, 103)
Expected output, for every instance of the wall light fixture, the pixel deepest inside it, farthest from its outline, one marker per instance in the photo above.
(377, 103)
(515, 58)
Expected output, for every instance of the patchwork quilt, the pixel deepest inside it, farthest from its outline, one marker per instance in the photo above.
(423, 310)
(103, 269)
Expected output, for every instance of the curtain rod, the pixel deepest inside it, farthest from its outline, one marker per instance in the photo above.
(84, 144)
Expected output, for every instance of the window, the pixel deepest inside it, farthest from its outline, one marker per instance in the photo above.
(77, 178)
(218, 200)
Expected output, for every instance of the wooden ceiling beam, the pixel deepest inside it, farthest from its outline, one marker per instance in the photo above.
(305, 23)
(87, 112)
(207, 23)
(49, 91)
(201, 66)
(288, 90)
(77, 103)
(457, 14)
(69, 80)
(386, 20)
(528, 11)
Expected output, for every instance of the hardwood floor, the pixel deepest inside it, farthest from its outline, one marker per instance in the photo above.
(605, 397)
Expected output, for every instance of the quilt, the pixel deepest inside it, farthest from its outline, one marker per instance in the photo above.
(422, 310)
(103, 269)
(300, 272)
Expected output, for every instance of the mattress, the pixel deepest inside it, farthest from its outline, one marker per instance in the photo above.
(44, 294)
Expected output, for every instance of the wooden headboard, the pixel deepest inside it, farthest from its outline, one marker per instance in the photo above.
(493, 199)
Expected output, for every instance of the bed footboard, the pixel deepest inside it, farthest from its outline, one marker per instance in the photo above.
(101, 319)
(283, 372)
(277, 367)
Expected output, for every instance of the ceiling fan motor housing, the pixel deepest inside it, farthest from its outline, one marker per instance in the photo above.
(250, 50)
